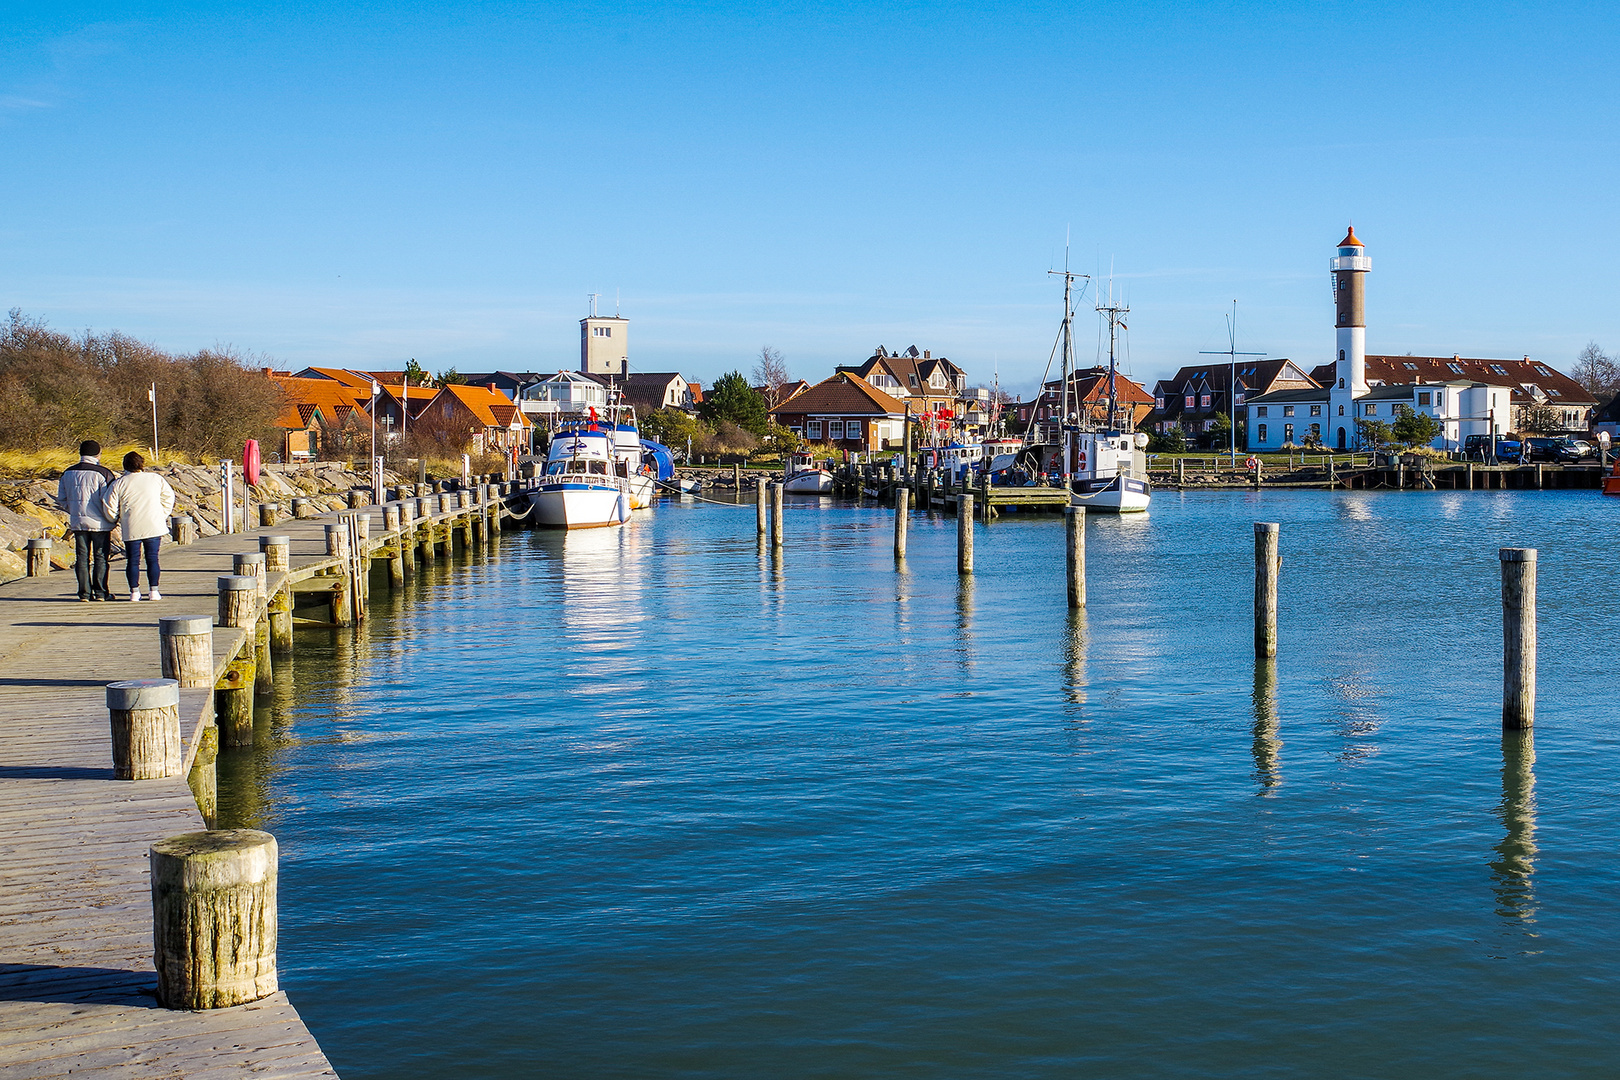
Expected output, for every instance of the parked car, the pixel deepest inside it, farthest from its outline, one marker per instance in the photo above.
(1539, 448)
(1478, 448)
(1579, 447)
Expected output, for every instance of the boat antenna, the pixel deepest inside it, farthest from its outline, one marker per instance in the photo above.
(1231, 353)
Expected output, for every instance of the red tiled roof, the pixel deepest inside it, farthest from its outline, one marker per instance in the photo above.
(845, 393)
(1560, 388)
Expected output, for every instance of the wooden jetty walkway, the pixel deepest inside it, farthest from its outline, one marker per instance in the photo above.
(77, 982)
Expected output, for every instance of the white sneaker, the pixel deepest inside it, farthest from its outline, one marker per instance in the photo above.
(155, 595)
(135, 596)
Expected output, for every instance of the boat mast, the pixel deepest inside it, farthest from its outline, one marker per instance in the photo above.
(1068, 362)
(1113, 309)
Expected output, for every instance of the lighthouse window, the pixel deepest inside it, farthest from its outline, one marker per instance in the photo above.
(1262, 433)
(1316, 410)
(1341, 384)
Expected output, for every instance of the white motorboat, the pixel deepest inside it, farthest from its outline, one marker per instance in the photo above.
(803, 477)
(581, 487)
(629, 458)
(1111, 471)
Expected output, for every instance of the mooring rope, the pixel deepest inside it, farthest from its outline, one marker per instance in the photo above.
(699, 498)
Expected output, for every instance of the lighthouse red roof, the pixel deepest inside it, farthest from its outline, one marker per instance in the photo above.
(1350, 239)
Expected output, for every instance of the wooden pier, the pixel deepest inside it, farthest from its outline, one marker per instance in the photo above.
(77, 980)
(1357, 472)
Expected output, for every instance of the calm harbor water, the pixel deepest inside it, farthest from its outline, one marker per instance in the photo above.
(648, 803)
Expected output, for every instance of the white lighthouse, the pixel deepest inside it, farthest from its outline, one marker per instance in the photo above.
(1349, 268)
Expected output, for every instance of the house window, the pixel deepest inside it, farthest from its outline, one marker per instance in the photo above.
(1410, 366)
(1370, 410)
(1239, 397)
(1288, 410)
(1499, 369)
(1424, 398)
(1189, 403)
(1288, 433)
(602, 331)
(812, 429)
(853, 429)
(1158, 401)
(1439, 398)
(1543, 370)
(1260, 410)
(1316, 410)
(1262, 433)
(1203, 401)
(835, 429)
(1458, 368)
(1341, 410)
(1341, 358)
(937, 381)
(913, 378)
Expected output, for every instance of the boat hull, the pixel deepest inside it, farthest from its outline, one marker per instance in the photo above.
(1114, 495)
(809, 482)
(579, 506)
(641, 491)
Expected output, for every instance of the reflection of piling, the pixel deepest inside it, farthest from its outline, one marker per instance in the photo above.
(1518, 637)
(759, 506)
(776, 514)
(902, 511)
(1266, 534)
(1517, 850)
(964, 533)
(1266, 744)
(1074, 532)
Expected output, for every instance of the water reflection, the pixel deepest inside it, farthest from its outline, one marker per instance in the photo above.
(1075, 676)
(1516, 853)
(1358, 717)
(964, 624)
(1267, 766)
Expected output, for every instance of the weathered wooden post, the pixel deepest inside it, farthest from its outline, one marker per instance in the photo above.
(1266, 562)
(203, 779)
(759, 506)
(253, 564)
(1518, 637)
(1074, 534)
(902, 511)
(269, 515)
(39, 556)
(776, 514)
(233, 694)
(447, 501)
(186, 649)
(337, 544)
(357, 498)
(391, 518)
(736, 475)
(303, 509)
(277, 553)
(984, 497)
(1181, 472)
(964, 533)
(214, 918)
(144, 715)
(464, 499)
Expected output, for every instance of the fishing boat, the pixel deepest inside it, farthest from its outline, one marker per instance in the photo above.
(582, 487)
(802, 476)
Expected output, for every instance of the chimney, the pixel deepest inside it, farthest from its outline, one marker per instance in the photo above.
(927, 355)
(271, 371)
(491, 387)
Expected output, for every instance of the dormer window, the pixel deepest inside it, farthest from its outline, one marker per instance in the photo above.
(913, 381)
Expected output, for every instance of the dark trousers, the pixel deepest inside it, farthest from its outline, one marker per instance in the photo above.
(91, 550)
(132, 560)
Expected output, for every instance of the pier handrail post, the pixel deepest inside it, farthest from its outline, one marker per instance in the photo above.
(759, 506)
(964, 533)
(1518, 637)
(214, 918)
(902, 511)
(1074, 528)
(186, 649)
(39, 556)
(144, 718)
(776, 514)
(1266, 562)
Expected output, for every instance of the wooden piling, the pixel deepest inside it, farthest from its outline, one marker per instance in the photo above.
(736, 476)
(337, 542)
(214, 918)
(303, 509)
(277, 553)
(269, 515)
(233, 693)
(254, 565)
(280, 617)
(1266, 563)
(1181, 472)
(1518, 637)
(39, 556)
(186, 649)
(902, 511)
(356, 499)
(1074, 530)
(964, 533)
(1470, 476)
(776, 514)
(391, 518)
(203, 779)
(144, 716)
(759, 506)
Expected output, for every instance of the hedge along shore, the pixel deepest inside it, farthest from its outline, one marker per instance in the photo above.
(28, 507)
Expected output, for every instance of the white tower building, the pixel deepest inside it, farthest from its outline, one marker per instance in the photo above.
(1350, 267)
(604, 344)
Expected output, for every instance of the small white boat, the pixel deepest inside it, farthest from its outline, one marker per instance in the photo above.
(1111, 472)
(687, 487)
(581, 487)
(802, 477)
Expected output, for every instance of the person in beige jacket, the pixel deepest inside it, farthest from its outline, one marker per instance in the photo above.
(141, 503)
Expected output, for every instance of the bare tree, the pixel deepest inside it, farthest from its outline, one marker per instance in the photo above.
(1597, 372)
(771, 375)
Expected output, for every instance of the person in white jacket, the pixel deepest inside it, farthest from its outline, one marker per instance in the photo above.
(141, 503)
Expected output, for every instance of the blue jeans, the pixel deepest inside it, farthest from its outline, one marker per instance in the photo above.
(132, 561)
(91, 550)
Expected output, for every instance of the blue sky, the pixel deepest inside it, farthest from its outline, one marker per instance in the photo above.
(448, 182)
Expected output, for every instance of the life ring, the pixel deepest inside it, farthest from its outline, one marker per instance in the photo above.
(1252, 463)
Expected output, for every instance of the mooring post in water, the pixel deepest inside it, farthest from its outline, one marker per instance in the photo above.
(144, 715)
(964, 533)
(1266, 562)
(214, 918)
(1518, 637)
(233, 694)
(1074, 533)
(776, 514)
(759, 506)
(186, 649)
(736, 476)
(902, 510)
(253, 564)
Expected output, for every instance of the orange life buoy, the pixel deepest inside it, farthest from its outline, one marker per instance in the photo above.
(1252, 464)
